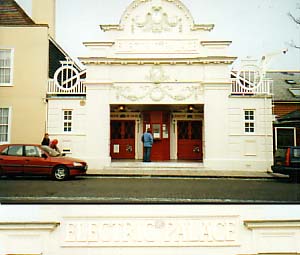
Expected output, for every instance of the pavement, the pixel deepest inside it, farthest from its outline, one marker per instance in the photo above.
(178, 170)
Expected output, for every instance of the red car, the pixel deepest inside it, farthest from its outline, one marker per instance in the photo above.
(33, 159)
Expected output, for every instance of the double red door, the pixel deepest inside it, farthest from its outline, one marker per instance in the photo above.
(122, 139)
(159, 123)
(189, 139)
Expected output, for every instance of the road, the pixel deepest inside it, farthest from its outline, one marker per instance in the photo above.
(173, 190)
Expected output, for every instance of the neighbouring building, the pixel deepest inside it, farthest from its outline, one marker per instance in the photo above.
(150, 229)
(159, 69)
(29, 56)
(24, 48)
(286, 108)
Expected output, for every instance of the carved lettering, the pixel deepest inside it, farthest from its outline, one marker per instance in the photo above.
(157, 46)
(152, 232)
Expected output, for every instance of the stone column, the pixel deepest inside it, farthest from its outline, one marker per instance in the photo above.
(215, 123)
(98, 126)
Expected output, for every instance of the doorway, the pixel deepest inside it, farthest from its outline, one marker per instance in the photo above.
(122, 137)
(189, 140)
(159, 123)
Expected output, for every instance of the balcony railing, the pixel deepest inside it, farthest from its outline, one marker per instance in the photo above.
(77, 89)
(264, 88)
(250, 82)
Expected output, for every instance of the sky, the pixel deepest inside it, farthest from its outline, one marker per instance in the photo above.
(256, 27)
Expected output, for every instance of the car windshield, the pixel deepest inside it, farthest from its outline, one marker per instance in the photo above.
(50, 151)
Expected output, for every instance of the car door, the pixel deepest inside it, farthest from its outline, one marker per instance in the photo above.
(12, 160)
(35, 164)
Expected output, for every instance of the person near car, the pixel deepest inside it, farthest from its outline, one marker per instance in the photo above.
(147, 140)
(46, 140)
(53, 145)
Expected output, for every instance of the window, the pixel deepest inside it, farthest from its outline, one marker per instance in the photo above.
(4, 125)
(67, 120)
(296, 153)
(249, 121)
(6, 66)
(14, 150)
(285, 136)
(32, 151)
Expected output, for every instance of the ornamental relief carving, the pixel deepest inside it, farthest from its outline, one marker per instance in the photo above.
(156, 21)
(159, 89)
(158, 92)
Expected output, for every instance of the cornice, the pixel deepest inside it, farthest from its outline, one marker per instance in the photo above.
(194, 27)
(111, 27)
(254, 224)
(160, 61)
(106, 44)
(215, 43)
(50, 226)
(202, 27)
(25, 25)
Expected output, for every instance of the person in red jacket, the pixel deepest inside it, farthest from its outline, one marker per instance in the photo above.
(53, 145)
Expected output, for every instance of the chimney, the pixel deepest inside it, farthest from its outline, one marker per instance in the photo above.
(43, 12)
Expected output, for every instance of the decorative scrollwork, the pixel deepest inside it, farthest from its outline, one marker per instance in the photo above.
(250, 77)
(157, 21)
(157, 92)
(66, 77)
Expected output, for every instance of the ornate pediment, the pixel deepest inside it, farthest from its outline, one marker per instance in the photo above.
(156, 17)
(157, 20)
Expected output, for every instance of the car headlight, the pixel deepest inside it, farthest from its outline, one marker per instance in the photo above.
(77, 164)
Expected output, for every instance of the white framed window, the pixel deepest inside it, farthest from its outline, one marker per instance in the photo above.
(4, 125)
(6, 67)
(68, 120)
(249, 121)
(285, 136)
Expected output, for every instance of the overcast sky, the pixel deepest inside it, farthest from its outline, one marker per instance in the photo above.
(255, 27)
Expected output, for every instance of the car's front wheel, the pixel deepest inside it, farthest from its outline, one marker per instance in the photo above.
(60, 173)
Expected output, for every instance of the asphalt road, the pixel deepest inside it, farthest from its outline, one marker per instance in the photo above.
(119, 190)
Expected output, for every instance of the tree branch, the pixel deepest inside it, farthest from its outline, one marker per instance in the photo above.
(296, 20)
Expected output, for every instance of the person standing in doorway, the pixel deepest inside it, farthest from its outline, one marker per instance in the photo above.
(147, 139)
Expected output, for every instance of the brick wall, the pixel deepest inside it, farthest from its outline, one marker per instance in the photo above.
(285, 108)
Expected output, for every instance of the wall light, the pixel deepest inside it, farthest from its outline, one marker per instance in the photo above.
(121, 108)
(190, 108)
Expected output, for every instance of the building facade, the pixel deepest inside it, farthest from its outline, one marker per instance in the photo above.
(286, 103)
(150, 229)
(24, 61)
(29, 57)
(159, 69)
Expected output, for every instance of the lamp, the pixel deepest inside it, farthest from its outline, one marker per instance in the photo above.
(190, 108)
(121, 108)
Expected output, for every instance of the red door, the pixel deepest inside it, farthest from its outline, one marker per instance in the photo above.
(122, 134)
(159, 122)
(189, 135)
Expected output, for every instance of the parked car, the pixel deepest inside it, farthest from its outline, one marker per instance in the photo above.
(32, 159)
(287, 161)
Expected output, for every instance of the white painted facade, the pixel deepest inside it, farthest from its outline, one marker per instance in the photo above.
(158, 57)
(150, 229)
